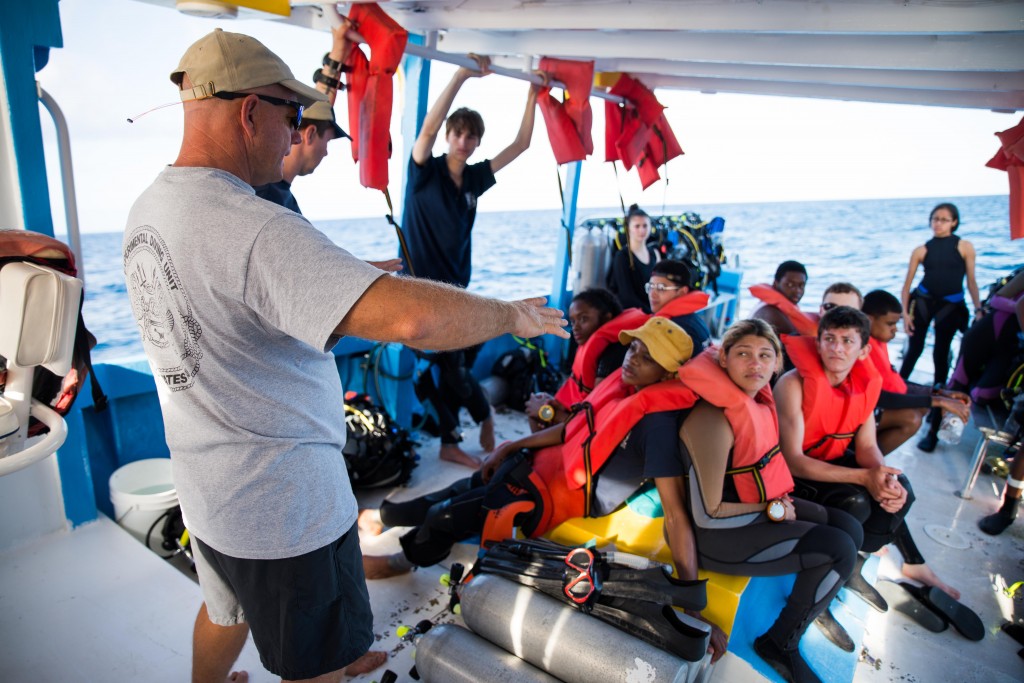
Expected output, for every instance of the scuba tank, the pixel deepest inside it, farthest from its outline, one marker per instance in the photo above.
(591, 256)
(450, 654)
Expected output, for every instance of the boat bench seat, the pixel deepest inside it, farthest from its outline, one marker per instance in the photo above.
(744, 607)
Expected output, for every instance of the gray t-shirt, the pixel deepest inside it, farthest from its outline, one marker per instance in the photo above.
(237, 300)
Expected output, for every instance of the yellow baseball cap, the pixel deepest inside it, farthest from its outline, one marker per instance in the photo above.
(231, 62)
(668, 344)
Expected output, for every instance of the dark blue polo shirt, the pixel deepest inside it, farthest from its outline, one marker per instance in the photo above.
(280, 193)
(439, 218)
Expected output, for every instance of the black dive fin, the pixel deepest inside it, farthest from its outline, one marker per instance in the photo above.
(656, 624)
(654, 585)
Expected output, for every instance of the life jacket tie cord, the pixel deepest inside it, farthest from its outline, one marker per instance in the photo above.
(398, 231)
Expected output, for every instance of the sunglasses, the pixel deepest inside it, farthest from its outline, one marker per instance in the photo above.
(581, 587)
(658, 287)
(294, 121)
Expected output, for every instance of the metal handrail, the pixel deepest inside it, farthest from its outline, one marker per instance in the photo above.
(67, 177)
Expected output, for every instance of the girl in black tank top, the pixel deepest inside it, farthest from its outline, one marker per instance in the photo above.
(939, 297)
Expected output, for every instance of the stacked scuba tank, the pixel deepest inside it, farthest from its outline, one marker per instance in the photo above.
(682, 237)
(539, 611)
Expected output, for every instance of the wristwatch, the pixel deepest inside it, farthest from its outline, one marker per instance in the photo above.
(546, 412)
(775, 510)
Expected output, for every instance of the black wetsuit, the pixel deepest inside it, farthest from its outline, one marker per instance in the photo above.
(735, 538)
(627, 283)
(939, 298)
(457, 513)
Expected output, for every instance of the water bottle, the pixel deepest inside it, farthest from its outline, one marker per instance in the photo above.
(951, 429)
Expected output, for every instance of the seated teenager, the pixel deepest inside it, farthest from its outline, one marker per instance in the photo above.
(902, 405)
(839, 294)
(586, 467)
(827, 434)
(671, 295)
(596, 318)
(779, 301)
(726, 496)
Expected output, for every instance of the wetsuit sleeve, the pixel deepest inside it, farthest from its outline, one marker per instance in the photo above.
(708, 440)
(892, 401)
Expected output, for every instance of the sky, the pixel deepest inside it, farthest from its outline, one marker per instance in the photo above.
(118, 54)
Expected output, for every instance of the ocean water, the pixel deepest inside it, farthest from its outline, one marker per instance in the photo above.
(866, 242)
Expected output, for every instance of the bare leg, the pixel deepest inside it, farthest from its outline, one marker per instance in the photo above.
(487, 433)
(897, 426)
(922, 573)
(384, 566)
(452, 453)
(369, 522)
(215, 649)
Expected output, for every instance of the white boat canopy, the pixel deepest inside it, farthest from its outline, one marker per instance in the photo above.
(944, 53)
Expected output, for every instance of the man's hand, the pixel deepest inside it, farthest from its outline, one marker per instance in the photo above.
(894, 505)
(950, 405)
(882, 485)
(392, 265)
(787, 503)
(533, 319)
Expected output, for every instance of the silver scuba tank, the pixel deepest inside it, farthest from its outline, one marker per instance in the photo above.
(570, 645)
(591, 258)
(450, 654)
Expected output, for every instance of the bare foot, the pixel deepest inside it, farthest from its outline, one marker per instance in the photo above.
(367, 663)
(487, 433)
(369, 522)
(453, 453)
(238, 677)
(381, 567)
(922, 573)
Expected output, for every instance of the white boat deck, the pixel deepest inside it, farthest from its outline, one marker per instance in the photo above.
(94, 605)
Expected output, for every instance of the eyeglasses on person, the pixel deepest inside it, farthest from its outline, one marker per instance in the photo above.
(294, 121)
(658, 287)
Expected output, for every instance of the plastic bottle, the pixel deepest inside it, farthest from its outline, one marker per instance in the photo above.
(951, 429)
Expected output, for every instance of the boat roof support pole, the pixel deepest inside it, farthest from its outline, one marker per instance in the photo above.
(470, 63)
(27, 31)
(417, 89)
(563, 257)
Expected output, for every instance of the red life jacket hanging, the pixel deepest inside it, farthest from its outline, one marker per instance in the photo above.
(374, 96)
(568, 122)
(1010, 158)
(639, 135)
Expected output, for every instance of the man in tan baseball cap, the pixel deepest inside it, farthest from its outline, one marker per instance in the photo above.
(239, 303)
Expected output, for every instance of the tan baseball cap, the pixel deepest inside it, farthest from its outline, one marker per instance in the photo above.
(668, 344)
(323, 111)
(230, 62)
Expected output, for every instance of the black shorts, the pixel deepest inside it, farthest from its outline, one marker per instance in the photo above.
(309, 615)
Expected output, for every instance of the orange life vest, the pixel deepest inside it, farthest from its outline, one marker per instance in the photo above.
(691, 302)
(591, 439)
(758, 469)
(373, 93)
(803, 322)
(584, 365)
(568, 122)
(638, 135)
(832, 415)
(1010, 158)
(891, 380)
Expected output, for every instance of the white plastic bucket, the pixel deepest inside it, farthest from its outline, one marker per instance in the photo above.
(142, 491)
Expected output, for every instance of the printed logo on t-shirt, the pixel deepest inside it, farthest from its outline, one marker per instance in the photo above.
(170, 333)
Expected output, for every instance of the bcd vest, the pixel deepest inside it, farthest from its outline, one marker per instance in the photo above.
(891, 380)
(832, 415)
(804, 324)
(758, 470)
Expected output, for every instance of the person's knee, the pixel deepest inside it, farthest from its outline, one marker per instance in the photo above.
(855, 501)
(848, 524)
(905, 483)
